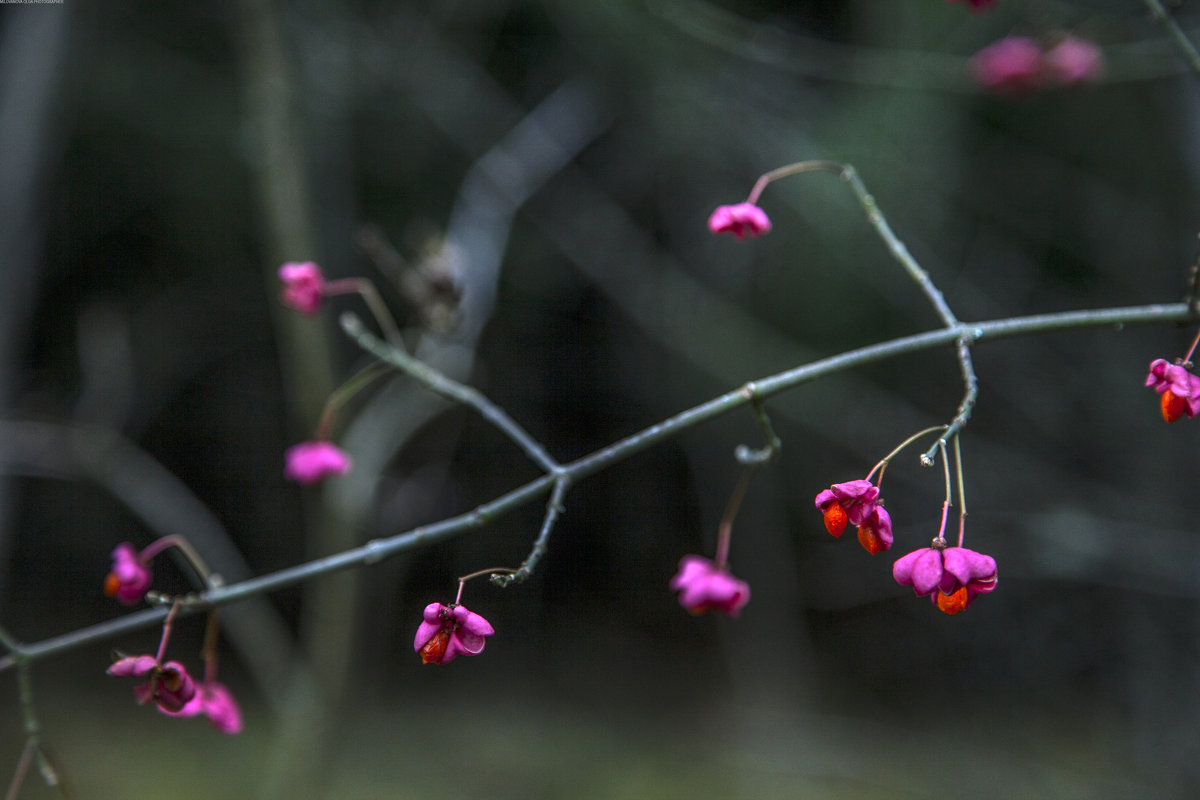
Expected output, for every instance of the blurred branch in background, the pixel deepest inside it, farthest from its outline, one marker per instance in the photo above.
(32, 46)
(1180, 39)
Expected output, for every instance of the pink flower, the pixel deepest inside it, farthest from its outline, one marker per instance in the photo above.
(977, 5)
(168, 684)
(216, 702)
(309, 462)
(741, 220)
(702, 587)
(957, 574)
(303, 286)
(1180, 389)
(1073, 61)
(852, 502)
(875, 533)
(450, 631)
(1011, 66)
(130, 577)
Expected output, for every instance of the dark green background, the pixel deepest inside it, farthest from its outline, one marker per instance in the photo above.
(159, 160)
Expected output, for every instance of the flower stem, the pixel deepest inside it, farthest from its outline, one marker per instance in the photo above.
(1187, 359)
(962, 492)
(940, 540)
(185, 547)
(789, 170)
(462, 581)
(166, 632)
(370, 295)
(355, 384)
(725, 529)
(883, 462)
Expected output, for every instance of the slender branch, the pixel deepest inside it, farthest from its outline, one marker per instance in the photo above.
(439, 384)
(378, 549)
(1182, 42)
(963, 346)
(33, 731)
(748, 455)
(899, 251)
(554, 507)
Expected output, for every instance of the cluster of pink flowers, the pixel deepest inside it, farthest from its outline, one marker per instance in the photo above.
(957, 574)
(1019, 65)
(857, 503)
(168, 683)
(953, 576)
(177, 694)
(1179, 388)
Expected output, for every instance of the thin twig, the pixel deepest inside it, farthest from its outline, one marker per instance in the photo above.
(554, 507)
(1182, 42)
(748, 455)
(378, 549)
(439, 384)
(899, 251)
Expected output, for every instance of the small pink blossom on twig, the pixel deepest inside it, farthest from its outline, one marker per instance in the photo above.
(303, 286)
(130, 576)
(215, 701)
(955, 576)
(1180, 389)
(702, 587)
(850, 502)
(168, 685)
(450, 631)
(742, 220)
(310, 462)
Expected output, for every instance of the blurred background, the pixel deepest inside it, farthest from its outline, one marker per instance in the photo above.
(527, 183)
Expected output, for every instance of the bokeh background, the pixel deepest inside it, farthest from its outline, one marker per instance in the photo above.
(527, 183)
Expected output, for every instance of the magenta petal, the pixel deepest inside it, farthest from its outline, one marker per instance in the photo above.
(920, 569)
(880, 521)
(223, 711)
(1157, 376)
(472, 623)
(967, 565)
(425, 632)
(1178, 380)
(133, 665)
(465, 643)
(691, 568)
(216, 702)
(858, 498)
(824, 498)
